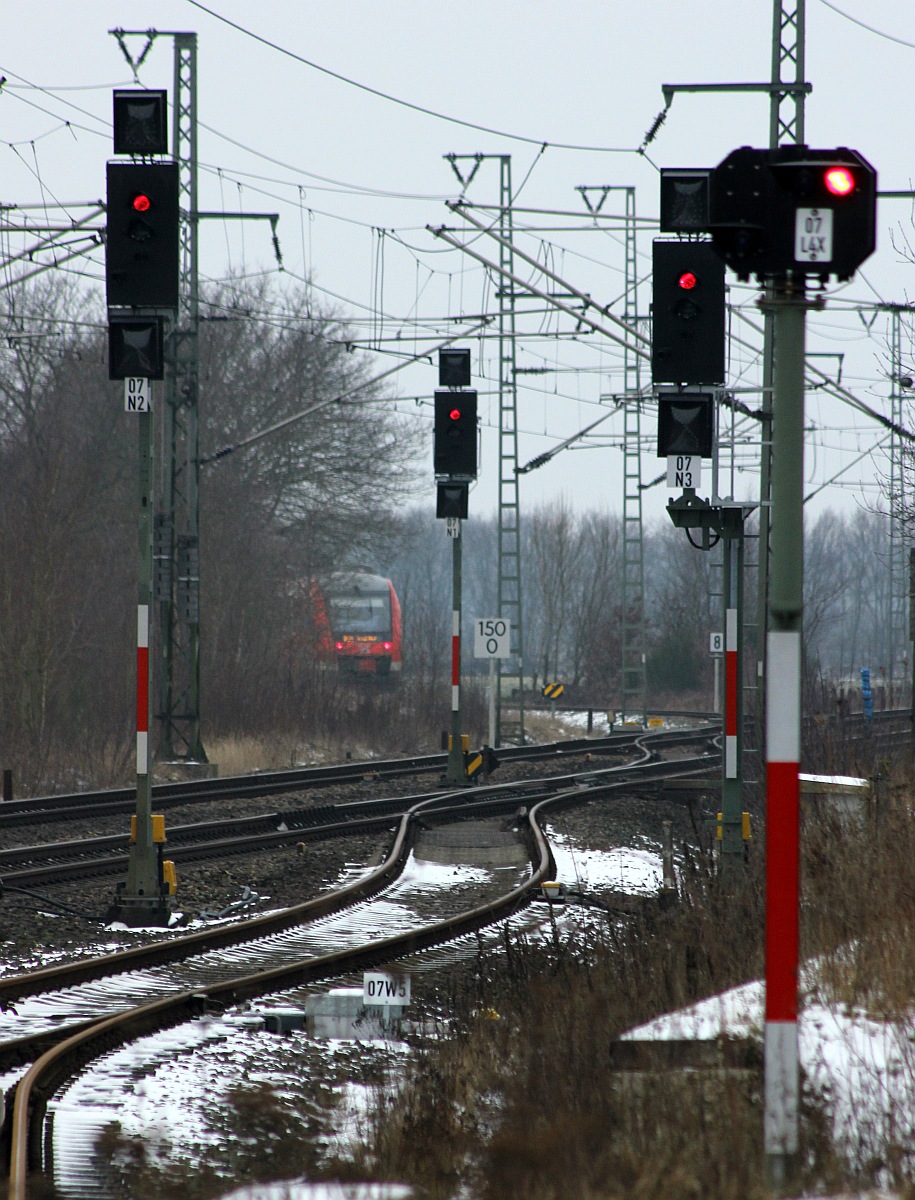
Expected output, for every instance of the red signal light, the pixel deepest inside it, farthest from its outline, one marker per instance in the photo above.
(387, 645)
(839, 181)
(687, 281)
(455, 414)
(141, 203)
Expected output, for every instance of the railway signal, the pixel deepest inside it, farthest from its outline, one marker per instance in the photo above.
(135, 347)
(454, 367)
(684, 200)
(455, 436)
(686, 424)
(454, 457)
(794, 209)
(141, 251)
(451, 500)
(688, 313)
(140, 121)
(142, 273)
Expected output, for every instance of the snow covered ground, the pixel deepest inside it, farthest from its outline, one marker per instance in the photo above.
(860, 1068)
(166, 1088)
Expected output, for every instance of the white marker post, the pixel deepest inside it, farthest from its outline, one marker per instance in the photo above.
(684, 471)
(716, 649)
(386, 987)
(492, 640)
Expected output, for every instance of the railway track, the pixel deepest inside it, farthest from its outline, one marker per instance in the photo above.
(56, 862)
(111, 801)
(61, 1052)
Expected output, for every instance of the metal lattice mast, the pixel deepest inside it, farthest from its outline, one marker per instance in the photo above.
(509, 506)
(177, 547)
(786, 109)
(898, 631)
(634, 686)
(786, 125)
(509, 532)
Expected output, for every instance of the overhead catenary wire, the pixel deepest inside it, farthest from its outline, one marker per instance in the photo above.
(841, 392)
(580, 317)
(457, 207)
(217, 455)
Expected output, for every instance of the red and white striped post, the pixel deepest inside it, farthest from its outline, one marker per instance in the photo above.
(455, 772)
(783, 752)
(142, 689)
(138, 900)
(731, 685)
(455, 661)
(732, 518)
(783, 738)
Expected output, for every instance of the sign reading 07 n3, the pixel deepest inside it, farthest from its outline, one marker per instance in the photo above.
(793, 209)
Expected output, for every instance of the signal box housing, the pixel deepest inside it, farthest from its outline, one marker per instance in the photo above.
(794, 209)
(140, 121)
(454, 367)
(141, 252)
(686, 424)
(455, 435)
(135, 347)
(688, 313)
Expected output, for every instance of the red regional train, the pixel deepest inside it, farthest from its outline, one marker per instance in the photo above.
(357, 623)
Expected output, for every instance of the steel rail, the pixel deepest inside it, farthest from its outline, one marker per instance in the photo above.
(496, 800)
(263, 783)
(59, 1063)
(190, 843)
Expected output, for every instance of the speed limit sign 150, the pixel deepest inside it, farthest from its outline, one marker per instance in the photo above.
(491, 637)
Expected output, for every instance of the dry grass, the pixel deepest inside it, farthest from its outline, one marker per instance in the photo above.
(525, 1107)
(241, 754)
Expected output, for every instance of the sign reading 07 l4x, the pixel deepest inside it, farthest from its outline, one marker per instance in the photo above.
(794, 209)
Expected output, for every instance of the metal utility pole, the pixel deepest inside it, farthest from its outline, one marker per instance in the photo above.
(782, 596)
(143, 899)
(783, 734)
(509, 535)
(142, 872)
(634, 681)
(510, 586)
(455, 772)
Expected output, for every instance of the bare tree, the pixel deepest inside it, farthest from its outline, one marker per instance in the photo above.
(63, 457)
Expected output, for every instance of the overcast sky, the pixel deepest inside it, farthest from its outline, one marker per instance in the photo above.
(357, 178)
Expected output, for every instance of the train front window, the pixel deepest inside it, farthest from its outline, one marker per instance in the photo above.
(360, 614)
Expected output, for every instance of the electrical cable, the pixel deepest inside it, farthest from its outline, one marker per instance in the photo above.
(67, 908)
(355, 189)
(428, 112)
(870, 28)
